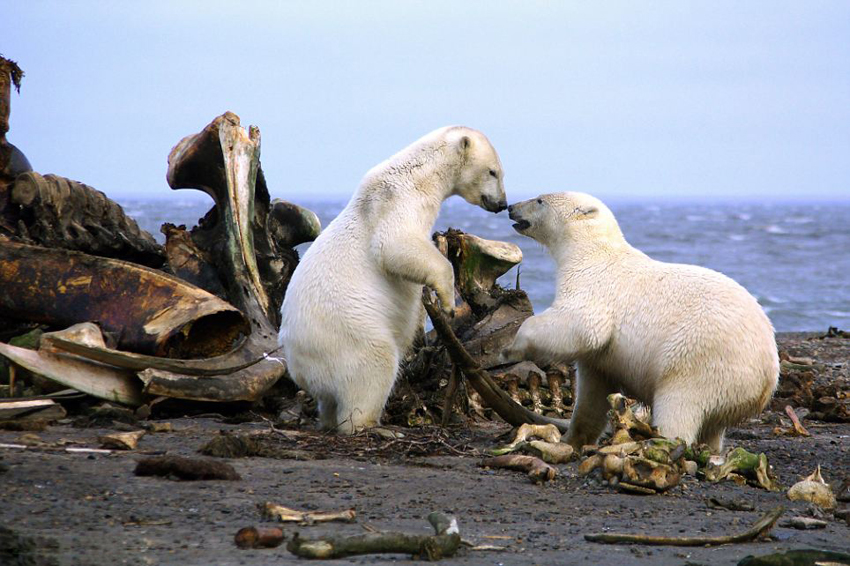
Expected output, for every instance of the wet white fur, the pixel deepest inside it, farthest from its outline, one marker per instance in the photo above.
(353, 305)
(689, 341)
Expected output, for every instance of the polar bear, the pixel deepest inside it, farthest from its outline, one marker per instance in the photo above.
(688, 341)
(353, 305)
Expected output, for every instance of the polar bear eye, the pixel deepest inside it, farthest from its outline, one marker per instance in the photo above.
(540, 201)
(493, 174)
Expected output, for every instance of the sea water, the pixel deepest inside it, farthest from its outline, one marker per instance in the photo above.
(793, 257)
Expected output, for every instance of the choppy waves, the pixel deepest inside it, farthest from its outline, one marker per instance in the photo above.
(796, 265)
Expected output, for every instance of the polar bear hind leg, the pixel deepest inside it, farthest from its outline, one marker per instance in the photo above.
(676, 413)
(591, 409)
(368, 385)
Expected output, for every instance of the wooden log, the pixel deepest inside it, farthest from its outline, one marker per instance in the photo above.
(512, 412)
(759, 529)
(443, 544)
(149, 311)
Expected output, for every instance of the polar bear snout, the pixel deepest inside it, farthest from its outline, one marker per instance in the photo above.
(521, 223)
(492, 205)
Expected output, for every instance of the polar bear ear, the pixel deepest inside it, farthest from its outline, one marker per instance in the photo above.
(587, 211)
(465, 142)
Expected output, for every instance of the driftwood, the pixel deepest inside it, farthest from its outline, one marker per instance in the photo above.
(759, 529)
(493, 395)
(442, 544)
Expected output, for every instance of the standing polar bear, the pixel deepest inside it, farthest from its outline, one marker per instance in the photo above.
(353, 305)
(688, 341)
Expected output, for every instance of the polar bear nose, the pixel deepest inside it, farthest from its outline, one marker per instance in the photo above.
(510, 209)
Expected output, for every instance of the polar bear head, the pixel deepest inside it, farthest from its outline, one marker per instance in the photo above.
(565, 219)
(479, 178)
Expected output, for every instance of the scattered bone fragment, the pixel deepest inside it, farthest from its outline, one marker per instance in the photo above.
(797, 428)
(443, 544)
(547, 432)
(739, 463)
(623, 417)
(551, 452)
(259, 537)
(286, 515)
(160, 427)
(814, 490)
(121, 440)
(536, 469)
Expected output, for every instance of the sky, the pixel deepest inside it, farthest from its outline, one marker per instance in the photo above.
(625, 100)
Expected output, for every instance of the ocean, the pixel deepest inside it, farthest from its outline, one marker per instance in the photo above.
(793, 257)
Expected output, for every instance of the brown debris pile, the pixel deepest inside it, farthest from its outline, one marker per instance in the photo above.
(487, 317)
(820, 391)
(385, 444)
(637, 459)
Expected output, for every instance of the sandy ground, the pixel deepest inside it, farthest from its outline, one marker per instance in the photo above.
(91, 509)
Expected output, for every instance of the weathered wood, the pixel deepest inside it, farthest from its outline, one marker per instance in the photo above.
(149, 311)
(759, 529)
(512, 412)
(442, 544)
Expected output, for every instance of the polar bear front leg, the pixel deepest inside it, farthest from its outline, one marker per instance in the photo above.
(420, 262)
(591, 407)
(545, 339)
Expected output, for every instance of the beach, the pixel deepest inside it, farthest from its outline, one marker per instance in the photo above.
(78, 508)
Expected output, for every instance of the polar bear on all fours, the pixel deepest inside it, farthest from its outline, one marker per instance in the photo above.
(353, 305)
(688, 341)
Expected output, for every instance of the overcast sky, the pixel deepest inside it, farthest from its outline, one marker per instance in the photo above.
(673, 99)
